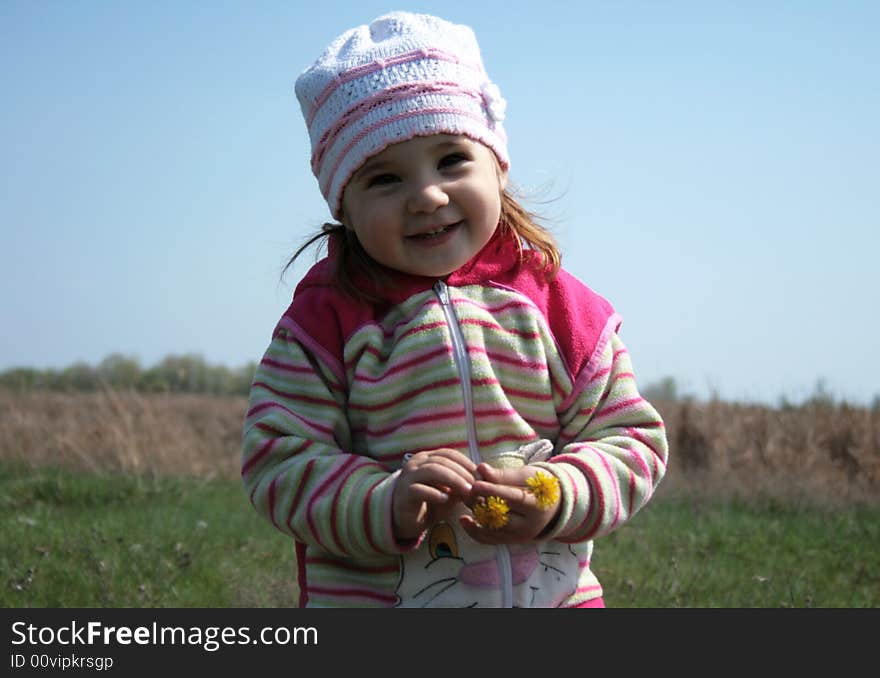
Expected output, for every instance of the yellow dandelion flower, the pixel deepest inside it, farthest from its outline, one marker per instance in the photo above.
(492, 513)
(545, 488)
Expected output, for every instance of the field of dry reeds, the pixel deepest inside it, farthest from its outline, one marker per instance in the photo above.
(130, 432)
(820, 450)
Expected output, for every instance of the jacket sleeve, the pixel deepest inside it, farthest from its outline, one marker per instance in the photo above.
(295, 467)
(612, 451)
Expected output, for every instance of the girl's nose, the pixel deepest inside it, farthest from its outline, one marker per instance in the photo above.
(427, 197)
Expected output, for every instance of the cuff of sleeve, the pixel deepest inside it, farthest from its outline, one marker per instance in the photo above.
(383, 496)
(574, 502)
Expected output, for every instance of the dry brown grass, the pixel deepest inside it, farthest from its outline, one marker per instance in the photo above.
(821, 450)
(818, 451)
(124, 431)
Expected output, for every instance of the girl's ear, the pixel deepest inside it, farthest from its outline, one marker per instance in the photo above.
(502, 179)
(343, 219)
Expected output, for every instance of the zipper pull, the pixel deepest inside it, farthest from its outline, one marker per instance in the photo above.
(442, 292)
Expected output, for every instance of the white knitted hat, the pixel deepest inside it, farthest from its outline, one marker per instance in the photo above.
(403, 75)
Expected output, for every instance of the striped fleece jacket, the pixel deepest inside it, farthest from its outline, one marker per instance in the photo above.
(495, 362)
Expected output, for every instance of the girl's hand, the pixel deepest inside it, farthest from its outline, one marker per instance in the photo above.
(526, 519)
(425, 489)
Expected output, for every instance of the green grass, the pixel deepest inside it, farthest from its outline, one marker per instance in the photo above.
(71, 540)
(735, 553)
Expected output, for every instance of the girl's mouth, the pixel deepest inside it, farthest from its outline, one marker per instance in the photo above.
(436, 233)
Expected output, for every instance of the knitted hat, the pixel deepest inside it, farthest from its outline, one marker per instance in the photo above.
(403, 75)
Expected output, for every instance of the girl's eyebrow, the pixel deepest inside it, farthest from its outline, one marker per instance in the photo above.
(371, 167)
(451, 143)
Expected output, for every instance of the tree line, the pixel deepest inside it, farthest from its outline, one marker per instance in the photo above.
(189, 373)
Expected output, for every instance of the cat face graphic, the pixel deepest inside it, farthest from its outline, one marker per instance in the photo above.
(450, 569)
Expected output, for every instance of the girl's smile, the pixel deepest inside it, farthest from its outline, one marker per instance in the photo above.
(427, 205)
(435, 236)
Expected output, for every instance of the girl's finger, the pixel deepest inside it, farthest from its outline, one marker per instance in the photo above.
(503, 476)
(442, 467)
(454, 458)
(517, 496)
(445, 455)
(439, 476)
(429, 494)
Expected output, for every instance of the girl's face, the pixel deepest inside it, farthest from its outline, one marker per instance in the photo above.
(425, 206)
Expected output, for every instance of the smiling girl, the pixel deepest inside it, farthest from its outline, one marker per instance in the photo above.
(438, 360)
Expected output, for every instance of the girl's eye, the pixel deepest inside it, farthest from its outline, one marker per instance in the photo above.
(452, 159)
(381, 180)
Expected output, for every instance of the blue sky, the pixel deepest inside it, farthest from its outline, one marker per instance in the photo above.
(711, 168)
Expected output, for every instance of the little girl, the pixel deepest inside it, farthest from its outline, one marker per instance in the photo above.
(444, 416)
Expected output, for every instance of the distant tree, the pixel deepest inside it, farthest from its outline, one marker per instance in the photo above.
(664, 390)
(79, 377)
(784, 404)
(21, 378)
(821, 396)
(242, 379)
(153, 381)
(188, 373)
(119, 372)
(184, 373)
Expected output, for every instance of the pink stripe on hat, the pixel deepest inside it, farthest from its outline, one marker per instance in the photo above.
(367, 69)
(406, 90)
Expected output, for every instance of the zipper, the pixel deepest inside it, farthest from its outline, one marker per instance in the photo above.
(463, 364)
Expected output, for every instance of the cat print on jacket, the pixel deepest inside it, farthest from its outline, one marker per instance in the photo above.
(452, 570)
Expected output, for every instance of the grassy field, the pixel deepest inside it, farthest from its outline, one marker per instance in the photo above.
(123, 500)
(70, 539)
(74, 540)
(767, 554)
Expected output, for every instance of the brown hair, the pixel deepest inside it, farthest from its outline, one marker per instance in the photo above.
(351, 261)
